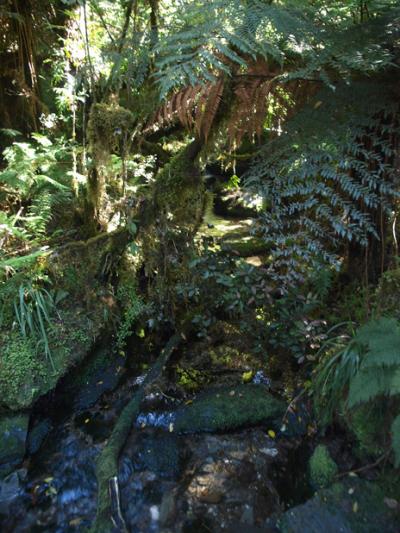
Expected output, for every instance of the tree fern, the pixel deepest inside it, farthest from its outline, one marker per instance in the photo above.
(219, 36)
(326, 175)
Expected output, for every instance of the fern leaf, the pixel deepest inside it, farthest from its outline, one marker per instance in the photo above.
(382, 337)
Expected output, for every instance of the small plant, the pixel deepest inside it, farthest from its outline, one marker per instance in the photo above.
(322, 468)
(133, 307)
(33, 308)
(334, 371)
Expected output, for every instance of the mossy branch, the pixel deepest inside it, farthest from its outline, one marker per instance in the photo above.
(107, 464)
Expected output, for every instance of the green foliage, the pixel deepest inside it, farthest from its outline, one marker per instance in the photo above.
(34, 166)
(379, 371)
(215, 37)
(340, 362)
(38, 180)
(132, 306)
(327, 177)
(292, 327)
(33, 308)
(365, 370)
(322, 468)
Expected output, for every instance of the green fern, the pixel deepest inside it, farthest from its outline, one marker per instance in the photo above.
(368, 368)
(326, 175)
(218, 36)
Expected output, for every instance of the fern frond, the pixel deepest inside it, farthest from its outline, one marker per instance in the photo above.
(369, 383)
(382, 337)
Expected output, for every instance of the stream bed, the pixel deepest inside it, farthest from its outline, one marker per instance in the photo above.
(168, 482)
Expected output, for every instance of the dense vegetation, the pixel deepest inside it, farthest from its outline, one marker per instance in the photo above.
(131, 130)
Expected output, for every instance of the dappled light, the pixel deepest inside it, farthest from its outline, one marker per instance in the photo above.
(199, 266)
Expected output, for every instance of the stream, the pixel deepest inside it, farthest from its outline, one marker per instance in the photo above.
(168, 482)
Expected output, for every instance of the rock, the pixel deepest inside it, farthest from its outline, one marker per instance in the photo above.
(156, 451)
(99, 374)
(211, 496)
(168, 509)
(13, 433)
(353, 506)
(38, 434)
(10, 489)
(224, 408)
(228, 482)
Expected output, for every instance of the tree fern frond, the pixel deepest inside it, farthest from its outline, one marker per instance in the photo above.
(382, 338)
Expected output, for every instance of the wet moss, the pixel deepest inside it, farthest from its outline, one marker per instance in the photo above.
(226, 408)
(322, 468)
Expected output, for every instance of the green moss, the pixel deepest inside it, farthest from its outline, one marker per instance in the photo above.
(322, 468)
(246, 247)
(108, 124)
(22, 372)
(226, 408)
(191, 379)
(25, 372)
(180, 193)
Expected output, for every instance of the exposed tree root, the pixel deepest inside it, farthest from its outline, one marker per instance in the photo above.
(107, 464)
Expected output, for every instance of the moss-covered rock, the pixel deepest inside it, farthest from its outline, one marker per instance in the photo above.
(322, 468)
(38, 434)
(354, 506)
(13, 432)
(226, 408)
(81, 270)
(25, 371)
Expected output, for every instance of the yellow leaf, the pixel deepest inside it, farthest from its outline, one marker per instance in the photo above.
(247, 376)
(87, 420)
(271, 433)
(355, 507)
(75, 521)
(48, 479)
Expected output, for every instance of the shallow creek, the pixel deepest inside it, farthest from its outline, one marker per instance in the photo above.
(168, 482)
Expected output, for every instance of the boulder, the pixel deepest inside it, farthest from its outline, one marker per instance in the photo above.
(226, 408)
(13, 433)
(352, 506)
